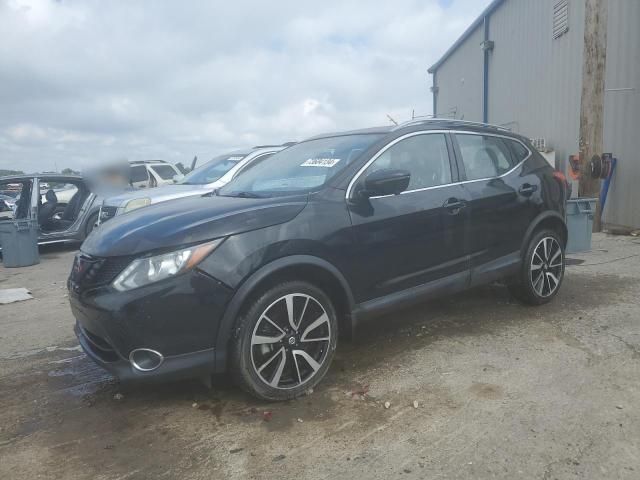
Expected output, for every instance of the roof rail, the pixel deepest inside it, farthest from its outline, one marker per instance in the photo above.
(454, 121)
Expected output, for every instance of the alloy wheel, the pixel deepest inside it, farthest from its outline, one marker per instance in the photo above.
(546, 267)
(290, 341)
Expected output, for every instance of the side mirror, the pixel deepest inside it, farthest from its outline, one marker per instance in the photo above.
(386, 182)
(177, 177)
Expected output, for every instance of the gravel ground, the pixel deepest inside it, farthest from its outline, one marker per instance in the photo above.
(501, 390)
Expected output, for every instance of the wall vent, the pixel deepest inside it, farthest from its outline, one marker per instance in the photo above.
(560, 18)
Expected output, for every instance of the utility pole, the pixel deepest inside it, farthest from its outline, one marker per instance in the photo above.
(592, 100)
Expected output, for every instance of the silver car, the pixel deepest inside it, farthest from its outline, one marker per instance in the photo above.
(213, 174)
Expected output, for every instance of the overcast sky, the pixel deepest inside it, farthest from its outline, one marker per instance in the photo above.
(89, 80)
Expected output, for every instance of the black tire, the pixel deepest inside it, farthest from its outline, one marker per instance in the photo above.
(528, 286)
(91, 222)
(254, 366)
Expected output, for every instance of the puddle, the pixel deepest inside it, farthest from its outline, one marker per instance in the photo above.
(85, 376)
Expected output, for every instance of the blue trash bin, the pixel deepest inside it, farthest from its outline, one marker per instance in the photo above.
(19, 243)
(580, 212)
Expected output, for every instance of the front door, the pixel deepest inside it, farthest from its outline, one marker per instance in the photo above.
(21, 199)
(414, 238)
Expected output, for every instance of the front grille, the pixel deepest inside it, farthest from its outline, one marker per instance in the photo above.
(89, 272)
(107, 213)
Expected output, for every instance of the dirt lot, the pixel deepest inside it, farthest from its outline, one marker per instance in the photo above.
(503, 391)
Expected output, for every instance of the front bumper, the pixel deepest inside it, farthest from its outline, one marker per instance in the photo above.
(176, 367)
(177, 317)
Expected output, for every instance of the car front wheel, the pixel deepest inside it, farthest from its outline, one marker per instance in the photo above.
(285, 341)
(542, 270)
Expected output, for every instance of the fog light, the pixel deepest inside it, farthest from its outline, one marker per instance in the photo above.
(145, 359)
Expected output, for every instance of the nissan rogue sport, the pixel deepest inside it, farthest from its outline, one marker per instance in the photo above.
(258, 278)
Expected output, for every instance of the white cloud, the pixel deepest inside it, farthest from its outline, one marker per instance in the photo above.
(86, 80)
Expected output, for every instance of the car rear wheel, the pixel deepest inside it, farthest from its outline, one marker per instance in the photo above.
(285, 341)
(542, 269)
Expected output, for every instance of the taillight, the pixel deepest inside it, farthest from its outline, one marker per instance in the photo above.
(562, 180)
(560, 176)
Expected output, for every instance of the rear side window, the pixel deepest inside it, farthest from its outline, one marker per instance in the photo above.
(166, 172)
(139, 174)
(520, 152)
(483, 156)
(424, 156)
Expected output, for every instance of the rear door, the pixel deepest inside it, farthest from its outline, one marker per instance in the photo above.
(417, 237)
(499, 206)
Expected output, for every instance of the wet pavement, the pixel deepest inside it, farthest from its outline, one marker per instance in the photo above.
(502, 391)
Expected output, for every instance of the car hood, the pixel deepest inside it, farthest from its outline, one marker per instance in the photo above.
(160, 194)
(186, 221)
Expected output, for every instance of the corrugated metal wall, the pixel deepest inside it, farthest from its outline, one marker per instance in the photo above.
(622, 111)
(459, 81)
(534, 79)
(535, 86)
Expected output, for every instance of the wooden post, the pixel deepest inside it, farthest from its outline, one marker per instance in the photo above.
(592, 101)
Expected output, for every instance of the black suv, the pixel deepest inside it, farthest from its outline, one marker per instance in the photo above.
(258, 277)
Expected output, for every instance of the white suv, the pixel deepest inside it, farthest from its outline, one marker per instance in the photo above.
(152, 173)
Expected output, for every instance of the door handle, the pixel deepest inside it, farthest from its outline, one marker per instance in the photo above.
(454, 205)
(527, 189)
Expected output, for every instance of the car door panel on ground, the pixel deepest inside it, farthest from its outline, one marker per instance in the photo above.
(500, 197)
(418, 236)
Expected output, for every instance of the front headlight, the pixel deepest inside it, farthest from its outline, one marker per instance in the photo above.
(144, 271)
(136, 203)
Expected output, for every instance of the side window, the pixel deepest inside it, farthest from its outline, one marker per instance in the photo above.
(483, 156)
(139, 174)
(424, 156)
(519, 150)
(166, 172)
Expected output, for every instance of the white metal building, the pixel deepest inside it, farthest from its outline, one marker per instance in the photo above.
(520, 65)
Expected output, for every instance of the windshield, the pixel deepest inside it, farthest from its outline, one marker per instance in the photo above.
(213, 170)
(301, 168)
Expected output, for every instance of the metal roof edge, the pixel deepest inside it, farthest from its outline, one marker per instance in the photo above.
(467, 33)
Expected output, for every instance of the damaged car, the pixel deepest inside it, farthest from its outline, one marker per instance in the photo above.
(66, 209)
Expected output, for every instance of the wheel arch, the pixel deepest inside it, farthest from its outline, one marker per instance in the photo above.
(551, 220)
(309, 268)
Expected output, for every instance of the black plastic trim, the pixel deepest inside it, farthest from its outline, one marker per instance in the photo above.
(537, 221)
(379, 306)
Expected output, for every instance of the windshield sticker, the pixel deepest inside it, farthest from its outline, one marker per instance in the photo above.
(320, 162)
(234, 159)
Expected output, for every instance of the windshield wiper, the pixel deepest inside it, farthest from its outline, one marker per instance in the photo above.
(242, 194)
(248, 195)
